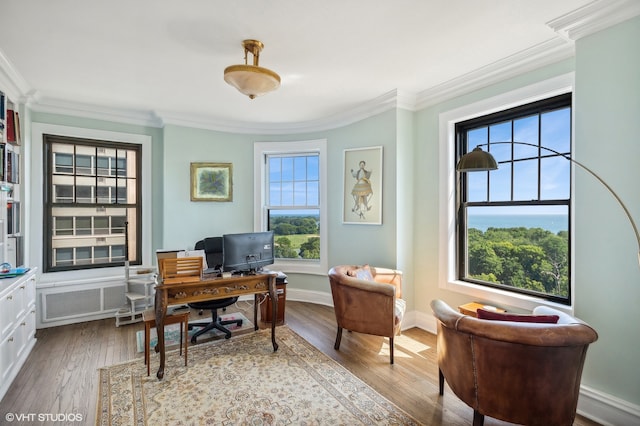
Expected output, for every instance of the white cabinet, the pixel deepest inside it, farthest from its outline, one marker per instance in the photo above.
(17, 325)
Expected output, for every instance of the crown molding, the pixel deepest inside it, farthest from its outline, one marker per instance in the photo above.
(546, 53)
(382, 103)
(594, 17)
(13, 85)
(92, 111)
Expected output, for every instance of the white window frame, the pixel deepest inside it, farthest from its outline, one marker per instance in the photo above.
(447, 238)
(36, 228)
(260, 151)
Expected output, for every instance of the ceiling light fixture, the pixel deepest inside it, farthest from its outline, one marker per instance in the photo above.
(252, 80)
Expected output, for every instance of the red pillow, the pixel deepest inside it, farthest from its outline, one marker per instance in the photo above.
(499, 316)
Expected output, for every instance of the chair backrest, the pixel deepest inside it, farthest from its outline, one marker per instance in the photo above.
(525, 373)
(364, 306)
(181, 269)
(212, 247)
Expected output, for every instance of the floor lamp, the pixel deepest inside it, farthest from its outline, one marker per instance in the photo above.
(479, 160)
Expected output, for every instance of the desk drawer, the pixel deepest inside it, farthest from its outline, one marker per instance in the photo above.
(194, 292)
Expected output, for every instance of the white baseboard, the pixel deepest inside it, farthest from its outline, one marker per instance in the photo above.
(606, 409)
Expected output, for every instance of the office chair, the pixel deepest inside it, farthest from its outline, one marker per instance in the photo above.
(212, 247)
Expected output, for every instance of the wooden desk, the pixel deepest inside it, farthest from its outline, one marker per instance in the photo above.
(209, 289)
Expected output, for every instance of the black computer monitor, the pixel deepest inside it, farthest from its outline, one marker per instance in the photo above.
(247, 252)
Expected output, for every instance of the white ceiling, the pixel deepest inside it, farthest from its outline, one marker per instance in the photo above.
(334, 56)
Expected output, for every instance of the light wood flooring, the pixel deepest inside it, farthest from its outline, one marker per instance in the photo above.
(60, 375)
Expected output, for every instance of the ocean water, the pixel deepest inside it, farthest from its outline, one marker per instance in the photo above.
(551, 222)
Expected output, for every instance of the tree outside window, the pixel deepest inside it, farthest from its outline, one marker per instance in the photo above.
(513, 223)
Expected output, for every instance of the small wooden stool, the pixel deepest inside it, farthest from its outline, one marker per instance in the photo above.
(149, 318)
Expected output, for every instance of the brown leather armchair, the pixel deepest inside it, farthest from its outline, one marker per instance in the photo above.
(367, 300)
(525, 373)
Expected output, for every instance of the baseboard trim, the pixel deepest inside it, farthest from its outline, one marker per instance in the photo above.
(607, 409)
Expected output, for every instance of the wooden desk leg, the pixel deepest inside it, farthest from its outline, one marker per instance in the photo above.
(161, 312)
(273, 293)
(256, 297)
(147, 336)
(186, 337)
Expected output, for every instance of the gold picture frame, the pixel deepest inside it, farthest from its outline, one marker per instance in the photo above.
(211, 182)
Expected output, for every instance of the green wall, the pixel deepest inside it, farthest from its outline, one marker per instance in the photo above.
(185, 222)
(608, 137)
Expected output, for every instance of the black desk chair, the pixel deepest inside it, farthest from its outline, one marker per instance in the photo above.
(213, 252)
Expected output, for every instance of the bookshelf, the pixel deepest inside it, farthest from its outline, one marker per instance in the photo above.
(11, 250)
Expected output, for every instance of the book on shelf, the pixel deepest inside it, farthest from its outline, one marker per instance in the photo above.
(12, 167)
(13, 217)
(11, 126)
(16, 123)
(2, 162)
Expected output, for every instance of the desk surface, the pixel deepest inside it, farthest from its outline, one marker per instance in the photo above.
(211, 288)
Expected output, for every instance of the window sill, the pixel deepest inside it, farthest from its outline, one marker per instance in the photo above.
(80, 277)
(300, 267)
(502, 298)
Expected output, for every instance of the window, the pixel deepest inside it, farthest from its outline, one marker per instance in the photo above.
(291, 188)
(92, 203)
(513, 223)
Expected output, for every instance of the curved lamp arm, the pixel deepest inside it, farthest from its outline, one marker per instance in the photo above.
(479, 160)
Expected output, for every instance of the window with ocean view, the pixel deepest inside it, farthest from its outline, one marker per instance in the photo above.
(513, 222)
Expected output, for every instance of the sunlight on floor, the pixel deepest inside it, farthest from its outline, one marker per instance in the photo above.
(405, 347)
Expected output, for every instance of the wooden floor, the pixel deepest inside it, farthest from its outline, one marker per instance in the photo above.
(60, 375)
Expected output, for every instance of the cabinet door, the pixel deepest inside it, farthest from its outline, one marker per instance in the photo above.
(30, 295)
(9, 310)
(8, 352)
(26, 331)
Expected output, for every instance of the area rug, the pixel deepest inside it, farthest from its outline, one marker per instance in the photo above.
(172, 332)
(242, 381)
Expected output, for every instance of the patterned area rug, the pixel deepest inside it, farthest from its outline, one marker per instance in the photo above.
(241, 381)
(172, 331)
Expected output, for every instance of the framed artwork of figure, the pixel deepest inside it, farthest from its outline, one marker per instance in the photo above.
(362, 197)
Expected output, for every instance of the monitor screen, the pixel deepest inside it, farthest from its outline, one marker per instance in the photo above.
(247, 252)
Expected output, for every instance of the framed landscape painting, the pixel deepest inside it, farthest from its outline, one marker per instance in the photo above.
(211, 182)
(362, 196)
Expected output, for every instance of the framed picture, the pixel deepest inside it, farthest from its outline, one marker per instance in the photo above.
(362, 197)
(211, 182)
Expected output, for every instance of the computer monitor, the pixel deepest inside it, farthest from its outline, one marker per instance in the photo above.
(247, 252)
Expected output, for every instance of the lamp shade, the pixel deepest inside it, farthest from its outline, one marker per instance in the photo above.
(476, 160)
(252, 80)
